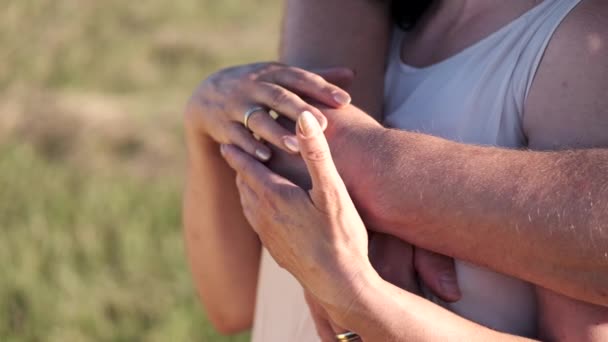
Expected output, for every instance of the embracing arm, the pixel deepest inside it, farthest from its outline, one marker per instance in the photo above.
(538, 216)
(223, 250)
(493, 207)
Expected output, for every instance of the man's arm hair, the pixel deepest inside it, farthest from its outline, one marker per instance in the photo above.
(538, 216)
(567, 108)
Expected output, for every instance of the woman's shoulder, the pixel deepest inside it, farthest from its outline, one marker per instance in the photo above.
(585, 29)
(567, 97)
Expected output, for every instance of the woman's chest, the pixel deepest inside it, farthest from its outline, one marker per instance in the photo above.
(462, 103)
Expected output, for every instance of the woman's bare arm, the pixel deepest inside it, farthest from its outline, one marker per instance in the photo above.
(223, 250)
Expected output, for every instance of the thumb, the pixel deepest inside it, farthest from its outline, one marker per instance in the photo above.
(327, 186)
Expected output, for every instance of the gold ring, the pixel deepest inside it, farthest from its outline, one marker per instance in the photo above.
(249, 113)
(348, 336)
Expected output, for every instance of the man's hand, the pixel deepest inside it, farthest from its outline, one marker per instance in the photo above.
(408, 267)
(316, 235)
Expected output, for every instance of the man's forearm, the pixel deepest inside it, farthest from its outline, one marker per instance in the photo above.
(538, 216)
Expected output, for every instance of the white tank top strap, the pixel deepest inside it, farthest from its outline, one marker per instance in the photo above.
(518, 46)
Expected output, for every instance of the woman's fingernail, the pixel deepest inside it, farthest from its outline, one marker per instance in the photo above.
(342, 98)
(449, 285)
(263, 154)
(222, 149)
(291, 143)
(322, 120)
(308, 123)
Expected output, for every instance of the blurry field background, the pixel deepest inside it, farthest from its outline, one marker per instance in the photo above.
(91, 160)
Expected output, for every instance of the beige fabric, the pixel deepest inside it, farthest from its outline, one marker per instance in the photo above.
(281, 313)
(477, 97)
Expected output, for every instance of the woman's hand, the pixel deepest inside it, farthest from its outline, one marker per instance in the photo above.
(321, 239)
(218, 106)
(393, 259)
(274, 207)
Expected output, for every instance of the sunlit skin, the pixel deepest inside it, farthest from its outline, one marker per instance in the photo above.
(559, 91)
(215, 238)
(272, 205)
(331, 260)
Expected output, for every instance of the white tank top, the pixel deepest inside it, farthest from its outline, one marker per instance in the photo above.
(476, 96)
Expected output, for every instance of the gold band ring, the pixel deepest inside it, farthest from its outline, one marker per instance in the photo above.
(348, 336)
(250, 112)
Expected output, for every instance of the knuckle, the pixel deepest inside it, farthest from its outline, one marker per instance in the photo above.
(274, 65)
(236, 135)
(313, 81)
(331, 198)
(238, 163)
(269, 67)
(271, 195)
(219, 80)
(214, 78)
(309, 108)
(279, 96)
(316, 78)
(300, 77)
(239, 181)
(247, 79)
(317, 155)
(266, 192)
(257, 119)
(245, 167)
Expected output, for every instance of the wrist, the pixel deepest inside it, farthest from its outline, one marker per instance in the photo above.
(352, 288)
(367, 311)
(356, 146)
(354, 150)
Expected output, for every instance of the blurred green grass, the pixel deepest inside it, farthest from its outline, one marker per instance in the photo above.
(91, 160)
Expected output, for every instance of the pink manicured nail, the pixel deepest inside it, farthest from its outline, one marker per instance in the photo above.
(292, 144)
(308, 123)
(341, 98)
(262, 154)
